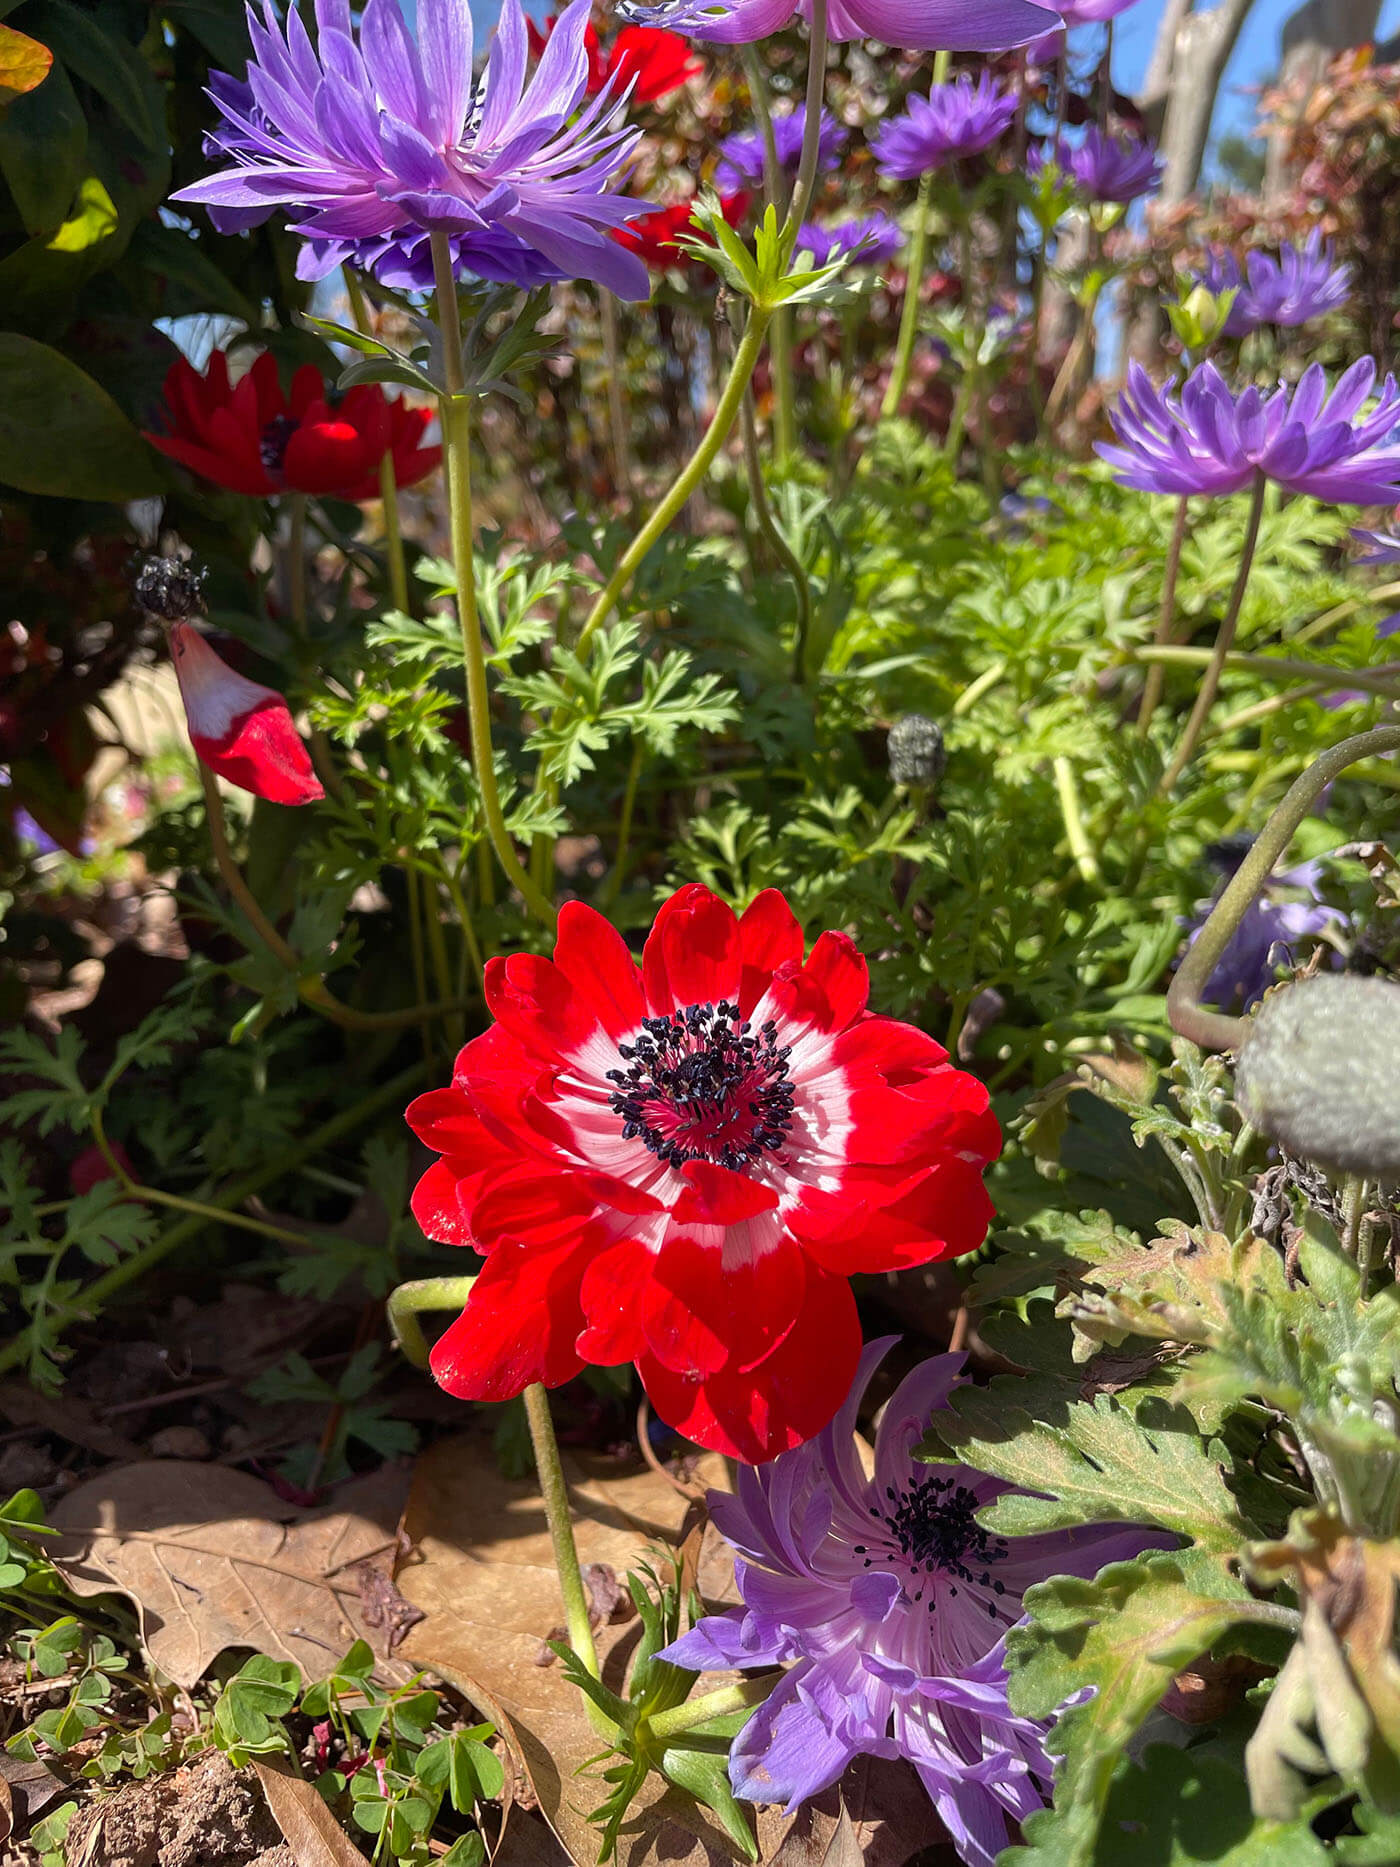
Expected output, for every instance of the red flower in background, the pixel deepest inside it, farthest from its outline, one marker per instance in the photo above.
(240, 730)
(654, 63)
(655, 236)
(681, 1165)
(253, 439)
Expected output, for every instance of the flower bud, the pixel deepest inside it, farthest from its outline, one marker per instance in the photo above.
(916, 751)
(240, 730)
(1199, 316)
(1320, 1072)
(170, 587)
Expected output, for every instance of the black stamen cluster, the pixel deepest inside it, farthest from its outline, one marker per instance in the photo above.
(710, 1066)
(169, 587)
(272, 447)
(933, 1525)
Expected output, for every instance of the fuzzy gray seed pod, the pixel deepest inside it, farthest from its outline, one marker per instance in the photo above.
(169, 587)
(1320, 1072)
(916, 751)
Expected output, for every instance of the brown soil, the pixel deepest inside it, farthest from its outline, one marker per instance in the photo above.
(203, 1814)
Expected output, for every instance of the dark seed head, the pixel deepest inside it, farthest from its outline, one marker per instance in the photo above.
(169, 587)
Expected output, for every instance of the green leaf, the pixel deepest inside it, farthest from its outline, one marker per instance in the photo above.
(705, 1776)
(1094, 1463)
(466, 1851)
(43, 152)
(61, 433)
(108, 62)
(1125, 1634)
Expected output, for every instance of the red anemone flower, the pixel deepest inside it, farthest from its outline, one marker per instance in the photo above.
(652, 62)
(680, 1165)
(254, 439)
(240, 730)
(654, 236)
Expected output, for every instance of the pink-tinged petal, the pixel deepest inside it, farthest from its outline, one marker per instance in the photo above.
(692, 954)
(952, 25)
(783, 1401)
(240, 730)
(595, 959)
(537, 1003)
(436, 1207)
(770, 935)
(520, 1324)
(611, 1298)
(715, 1195)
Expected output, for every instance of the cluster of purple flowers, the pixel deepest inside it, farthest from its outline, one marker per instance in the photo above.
(1288, 909)
(1103, 167)
(1301, 284)
(869, 240)
(953, 121)
(889, 1605)
(944, 25)
(1206, 440)
(741, 155)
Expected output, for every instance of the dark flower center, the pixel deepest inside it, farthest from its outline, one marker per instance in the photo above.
(704, 1085)
(932, 1525)
(273, 445)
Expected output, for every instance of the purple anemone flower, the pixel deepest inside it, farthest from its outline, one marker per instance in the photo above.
(1206, 440)
(954, 120)
(917, 25)
(1383, 548)
(869, 240)
(1288, 908)
(889, 1604)
(372, 143)
(741, 155)
(1301, 284)
(1103, 167)
(1091, 12)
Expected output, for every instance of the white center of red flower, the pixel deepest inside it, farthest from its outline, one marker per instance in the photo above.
(702, 1084)
(931, 1527)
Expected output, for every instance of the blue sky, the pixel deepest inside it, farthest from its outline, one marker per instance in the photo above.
(1256, 57)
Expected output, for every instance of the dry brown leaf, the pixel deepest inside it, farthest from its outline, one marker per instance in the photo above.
(213, 1559)
(66, 1417)
(878, 1814)
(309, 1829)
(484, 1576)
(25, 1787)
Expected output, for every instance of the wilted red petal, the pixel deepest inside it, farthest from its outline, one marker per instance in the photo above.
(240, 730)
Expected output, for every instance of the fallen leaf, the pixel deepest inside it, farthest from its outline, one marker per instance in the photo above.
(309, 1829)
(878, 1815)
(25, 1787)
(24, 64)
(66, 1417)
(213, 1559)
(484, 1575)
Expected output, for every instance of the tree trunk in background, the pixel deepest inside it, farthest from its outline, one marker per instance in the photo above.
(1311, 39)
(1204, 42)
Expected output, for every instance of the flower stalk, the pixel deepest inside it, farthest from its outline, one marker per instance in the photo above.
(909, 311)
(555, 1493)
(1166, 619)
(665, 1726)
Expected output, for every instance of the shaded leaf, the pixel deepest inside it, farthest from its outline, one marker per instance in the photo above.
(61, 433)
(24, 63)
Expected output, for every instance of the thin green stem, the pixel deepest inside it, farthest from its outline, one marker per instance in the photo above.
(555, 1494)
(1212, 1030)
(296, 561)
(1353, 1207)
(88, 1301)
(775, 196)
(1205, 697)
(909, 312)
(805, 185)
(1166, 618)
(404, 1305)
(663, 1726)
(1079, 846)
(1384, 681)
(768, 525)
(455, 408)
(388, 485)
(624, 825)
(156, 1196)
(974, 691)
(617, 394)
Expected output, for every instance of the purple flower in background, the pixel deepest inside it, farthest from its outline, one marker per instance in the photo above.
(1206, 440)
(917, 25)
(1385, 549)
(1288, 908)
(1092, 12)
(891, 1604)
(741, 155)
(1103, 167)
(1301, 284)
(371, 143)
(869, 240)
(954, 120)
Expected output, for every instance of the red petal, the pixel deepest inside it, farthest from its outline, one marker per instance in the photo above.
(837, 969)
(437, 1208)
(871, 1227)
(782, 1402)
(237, 474)
(770, 935)
(594, 958)
(520, 1324)
(537, 1003)
(611, 1297)
(527, 1205)
(715, 1195)
(692, 953)
(325, 457)
(745, 1286)
(676, 1337)
(239, 729)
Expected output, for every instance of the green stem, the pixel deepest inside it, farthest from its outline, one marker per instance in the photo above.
(404, 1305)
(89, 1300)
(388, 485)
(1205, 698)
(1212, 1030)
(1370, 680)
(974, 691)
(768, 525)
(1079, 846)
(806, 182)
(624, 826)
(555, 1493)
(296, 560)
(1166, 618)
(663, 1726)
(1353, 1207)
(775, 196)
(455, 410)
(155, 1196)
(617, 405)
(909, 311)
